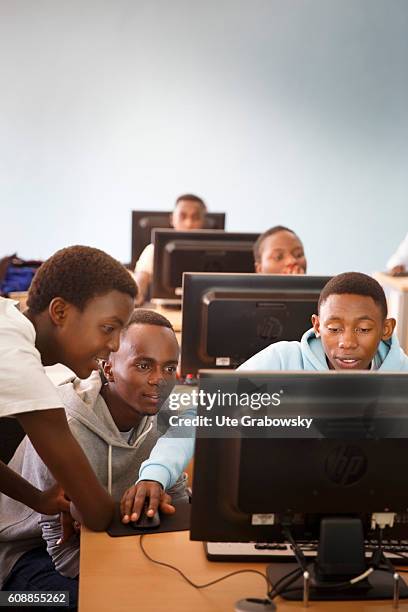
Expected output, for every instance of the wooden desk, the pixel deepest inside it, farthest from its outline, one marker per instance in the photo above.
(396, 290)
(21, 297)
(174, 316)
(116, 576)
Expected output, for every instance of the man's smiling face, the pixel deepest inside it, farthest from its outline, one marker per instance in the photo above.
(143, 370)
(351, 327)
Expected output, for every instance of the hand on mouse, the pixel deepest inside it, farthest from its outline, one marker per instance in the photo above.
(133, 500)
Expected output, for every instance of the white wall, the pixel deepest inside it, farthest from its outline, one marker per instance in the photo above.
(277, 111)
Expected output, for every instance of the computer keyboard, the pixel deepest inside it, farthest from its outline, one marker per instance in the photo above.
(396, 551)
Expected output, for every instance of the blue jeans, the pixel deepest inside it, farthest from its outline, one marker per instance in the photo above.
(35, 571)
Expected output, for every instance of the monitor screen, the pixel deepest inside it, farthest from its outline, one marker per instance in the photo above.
(335, 443)
(144, 221)
(197, 251)
(229, 317)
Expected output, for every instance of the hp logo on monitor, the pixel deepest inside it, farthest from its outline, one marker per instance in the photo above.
(269, 328)
(346, 465)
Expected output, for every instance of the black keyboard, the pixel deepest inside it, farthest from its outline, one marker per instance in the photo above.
(395, 550)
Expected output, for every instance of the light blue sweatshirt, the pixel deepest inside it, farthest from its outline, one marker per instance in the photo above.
(308, 355)
(171, 454)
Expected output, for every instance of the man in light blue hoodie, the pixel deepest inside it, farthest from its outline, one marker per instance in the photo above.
(350, 332)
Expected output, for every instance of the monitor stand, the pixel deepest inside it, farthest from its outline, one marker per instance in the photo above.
(340, 557)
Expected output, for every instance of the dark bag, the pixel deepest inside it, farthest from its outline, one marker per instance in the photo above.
(16, 274)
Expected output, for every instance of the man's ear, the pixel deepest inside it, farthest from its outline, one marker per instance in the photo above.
(171, 219)
(258, 267)
(316, 325)
(58, 310)
(107, 370)
(388, 328)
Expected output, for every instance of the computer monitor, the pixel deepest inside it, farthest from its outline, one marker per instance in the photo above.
(143, 222)
(197, 251)
(253, 481)
(230, 317)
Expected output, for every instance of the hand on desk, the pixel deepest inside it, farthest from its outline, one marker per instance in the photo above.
(397, 270)
(133, 500)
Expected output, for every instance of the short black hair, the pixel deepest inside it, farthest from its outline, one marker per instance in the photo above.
(355, 283)
(192, 198)
(273, 230)
(77, 274)
(147, 317)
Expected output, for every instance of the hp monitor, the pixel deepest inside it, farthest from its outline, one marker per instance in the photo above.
(144, 221)
(227, 318)
(197, 251)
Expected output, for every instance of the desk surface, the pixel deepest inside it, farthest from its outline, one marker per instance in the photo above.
(115, 575)
(174, 315)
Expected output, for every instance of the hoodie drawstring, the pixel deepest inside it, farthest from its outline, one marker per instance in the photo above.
(110, 469)
(140, 439)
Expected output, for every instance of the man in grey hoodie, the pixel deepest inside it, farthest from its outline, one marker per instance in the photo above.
(114, 419)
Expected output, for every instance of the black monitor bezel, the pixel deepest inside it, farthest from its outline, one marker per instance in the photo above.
(215, 516)
(196, 285)
(161, 237)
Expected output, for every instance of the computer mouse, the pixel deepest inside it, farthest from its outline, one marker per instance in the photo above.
(146, 522)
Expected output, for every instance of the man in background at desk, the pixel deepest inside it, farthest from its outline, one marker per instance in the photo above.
(113, 419)
(188, 214)
(279, 251)
(350, 332)
(398, 263)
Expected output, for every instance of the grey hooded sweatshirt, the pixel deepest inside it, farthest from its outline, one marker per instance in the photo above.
(115, 458)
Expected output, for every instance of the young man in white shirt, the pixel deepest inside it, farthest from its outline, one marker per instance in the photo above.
(78, 303)
(188, 214)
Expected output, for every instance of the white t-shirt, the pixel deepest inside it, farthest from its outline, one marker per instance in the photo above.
(146, 259)
(400, 257)
(24, 385)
